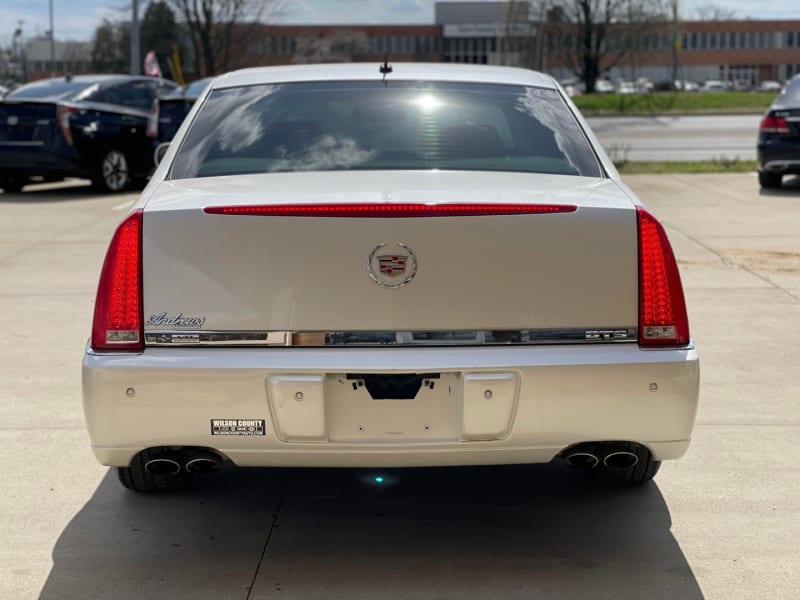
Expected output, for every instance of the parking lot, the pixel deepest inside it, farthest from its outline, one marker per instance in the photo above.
(722, 523)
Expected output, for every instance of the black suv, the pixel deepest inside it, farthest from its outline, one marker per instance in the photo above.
(779, 137)
(91, 126)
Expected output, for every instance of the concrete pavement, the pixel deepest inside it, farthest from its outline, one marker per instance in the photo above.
(722, 523)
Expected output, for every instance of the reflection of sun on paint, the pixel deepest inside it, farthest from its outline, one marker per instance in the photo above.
(428, 102)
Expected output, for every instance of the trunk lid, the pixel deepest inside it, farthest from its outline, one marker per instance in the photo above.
(28, 123)
(216, 272)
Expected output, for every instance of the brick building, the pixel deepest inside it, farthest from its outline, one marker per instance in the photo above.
(506, 33)
(293, 44)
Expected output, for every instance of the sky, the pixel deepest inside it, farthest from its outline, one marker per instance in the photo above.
(77, 19)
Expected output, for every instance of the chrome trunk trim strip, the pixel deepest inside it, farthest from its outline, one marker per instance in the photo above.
(505, 337)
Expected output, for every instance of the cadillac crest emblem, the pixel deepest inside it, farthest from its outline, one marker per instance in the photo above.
(392, 270)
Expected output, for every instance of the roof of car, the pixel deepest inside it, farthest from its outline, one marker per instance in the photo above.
(400, 71)
(89, 79)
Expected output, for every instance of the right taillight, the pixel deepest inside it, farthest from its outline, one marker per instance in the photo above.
(773, 124)
(662, 308)
(63, 113)
(118, 318)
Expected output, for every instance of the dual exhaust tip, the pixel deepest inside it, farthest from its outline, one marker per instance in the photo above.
(196, 462)
(585, 457)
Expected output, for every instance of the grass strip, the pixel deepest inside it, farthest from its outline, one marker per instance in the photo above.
(687, 166)
(592, 105)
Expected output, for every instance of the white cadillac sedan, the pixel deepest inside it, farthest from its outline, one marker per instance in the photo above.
(387, 266)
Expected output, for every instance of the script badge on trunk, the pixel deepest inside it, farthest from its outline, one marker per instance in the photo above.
(393, 270)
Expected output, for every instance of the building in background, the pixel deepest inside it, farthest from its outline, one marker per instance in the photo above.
(71, 58)
(508, 33)
(299, 44)
(493, 33)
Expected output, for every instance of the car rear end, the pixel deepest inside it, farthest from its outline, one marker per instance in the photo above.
(778, 147)
(448, 278)
(35, 138)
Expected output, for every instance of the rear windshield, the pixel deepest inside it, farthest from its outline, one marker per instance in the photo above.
(792, 92)
(192, 90)
(326, 126)
(60, 89)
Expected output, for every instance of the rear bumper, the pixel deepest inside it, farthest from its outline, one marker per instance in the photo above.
(26, 160)
(778, 156)
(545, 399)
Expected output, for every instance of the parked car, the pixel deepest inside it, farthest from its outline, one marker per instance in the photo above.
(90, 126)
(770, 86)
(168, 112)
(778, 146)
(687, 86)
(626, 87)
(427, 265)
(712, 85)
(604, 86)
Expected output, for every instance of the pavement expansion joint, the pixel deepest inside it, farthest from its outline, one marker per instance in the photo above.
(275, 519)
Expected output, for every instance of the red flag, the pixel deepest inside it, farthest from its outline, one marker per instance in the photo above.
(151, 65)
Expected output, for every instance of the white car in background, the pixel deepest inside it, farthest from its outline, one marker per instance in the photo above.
(377, 266)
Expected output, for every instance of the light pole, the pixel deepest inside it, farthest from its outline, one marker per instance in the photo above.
(136, 66)
(52, 43)
(676, 41)
(21, 51)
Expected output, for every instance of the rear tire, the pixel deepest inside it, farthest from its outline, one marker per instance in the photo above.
(135, 477)
(11, 185)
(769, 180)
(112, 174)
(644, 470)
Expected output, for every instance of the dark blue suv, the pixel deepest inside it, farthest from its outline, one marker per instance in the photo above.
(779, 137)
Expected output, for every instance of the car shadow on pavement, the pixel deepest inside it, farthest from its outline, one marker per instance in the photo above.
(73, 189)
(489, 532)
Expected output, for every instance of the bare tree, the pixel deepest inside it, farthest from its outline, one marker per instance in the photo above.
(218, 29)
(592, 36)
(340, 46)
(714, 12)
(109, 46)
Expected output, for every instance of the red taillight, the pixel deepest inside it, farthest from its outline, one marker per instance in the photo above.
(662, 308)
(152, 121)
(118, 322)
(63, 113)
(389, 210)
(773, 124)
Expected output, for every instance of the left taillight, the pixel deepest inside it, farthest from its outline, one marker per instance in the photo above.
(773, 124)
(118, 319)
(63, 113)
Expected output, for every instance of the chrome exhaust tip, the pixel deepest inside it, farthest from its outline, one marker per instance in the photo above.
(162, 466)
(202, 466)
(581, 460)
(620, 459)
